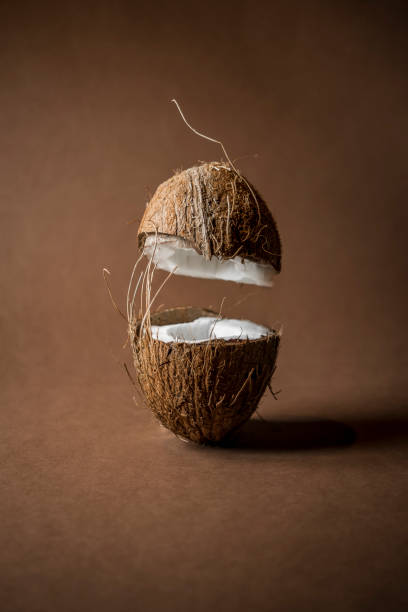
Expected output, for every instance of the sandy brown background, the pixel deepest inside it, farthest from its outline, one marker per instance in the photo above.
(100, 508)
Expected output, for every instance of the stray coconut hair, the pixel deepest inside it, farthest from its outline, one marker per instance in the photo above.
(223, 150)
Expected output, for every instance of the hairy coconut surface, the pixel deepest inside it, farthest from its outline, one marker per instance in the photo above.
(214, 212)
(203, 390)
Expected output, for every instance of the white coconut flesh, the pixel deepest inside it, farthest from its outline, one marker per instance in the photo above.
(204, 329)
(175, 255)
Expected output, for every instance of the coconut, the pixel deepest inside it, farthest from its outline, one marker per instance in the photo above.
(210, 222)
(202, 376)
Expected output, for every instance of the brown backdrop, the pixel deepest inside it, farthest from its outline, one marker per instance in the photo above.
(101, 509)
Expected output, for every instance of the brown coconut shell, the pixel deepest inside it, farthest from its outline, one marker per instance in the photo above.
(217, 212)
(204, 391)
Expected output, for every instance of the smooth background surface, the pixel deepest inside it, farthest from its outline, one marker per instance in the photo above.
(101, 509)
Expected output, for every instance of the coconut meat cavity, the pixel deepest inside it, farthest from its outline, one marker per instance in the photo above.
(173, 254)
(204, 329)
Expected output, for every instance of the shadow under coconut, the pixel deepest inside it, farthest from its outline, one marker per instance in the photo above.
(290, 435)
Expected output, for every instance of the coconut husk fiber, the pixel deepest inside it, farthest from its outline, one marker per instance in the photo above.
(217, 212)
(201, 392)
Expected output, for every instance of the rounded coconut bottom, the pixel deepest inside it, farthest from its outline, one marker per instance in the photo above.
(202, 391)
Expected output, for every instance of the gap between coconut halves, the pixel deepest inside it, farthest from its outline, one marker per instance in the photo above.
(203, 375)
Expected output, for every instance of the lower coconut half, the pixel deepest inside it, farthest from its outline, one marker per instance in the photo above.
(202, 376)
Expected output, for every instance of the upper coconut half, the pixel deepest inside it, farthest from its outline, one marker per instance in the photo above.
(209, 222)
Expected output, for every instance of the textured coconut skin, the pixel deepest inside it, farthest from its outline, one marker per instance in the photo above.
(217, 212)
(202, 392)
